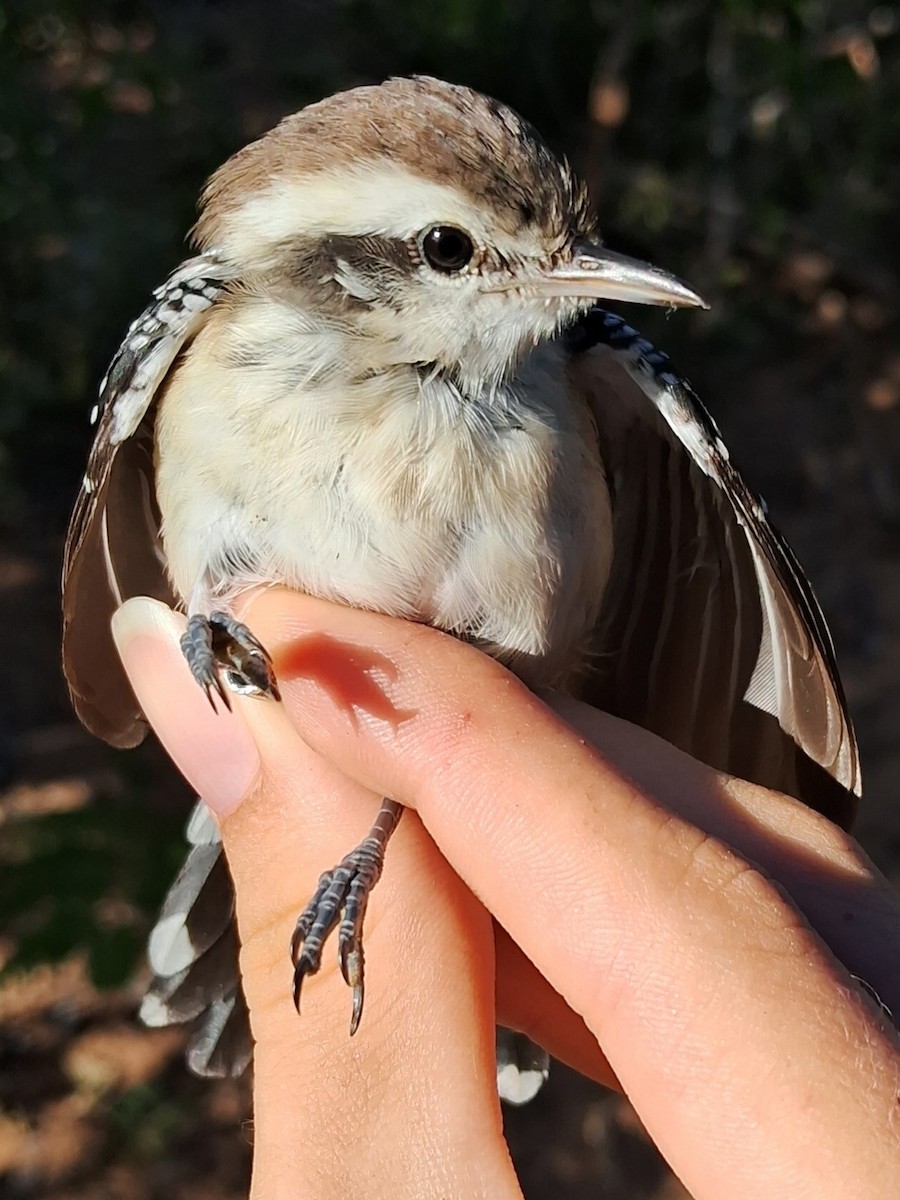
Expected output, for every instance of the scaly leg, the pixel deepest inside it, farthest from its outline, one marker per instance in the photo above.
(345, 889)
(223, 654)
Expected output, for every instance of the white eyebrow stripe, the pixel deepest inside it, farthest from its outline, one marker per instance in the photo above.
(386, 199)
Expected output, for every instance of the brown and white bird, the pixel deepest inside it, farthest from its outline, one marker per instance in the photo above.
(383, 380)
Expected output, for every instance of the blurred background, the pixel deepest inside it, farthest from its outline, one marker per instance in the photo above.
(749, 146)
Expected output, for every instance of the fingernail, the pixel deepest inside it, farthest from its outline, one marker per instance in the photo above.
(213, 749)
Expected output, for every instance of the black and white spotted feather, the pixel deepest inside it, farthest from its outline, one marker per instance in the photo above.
(112, 548)
(193, 953)
(709, 634)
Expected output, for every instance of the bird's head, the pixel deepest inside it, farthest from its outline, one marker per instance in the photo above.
(426, 219)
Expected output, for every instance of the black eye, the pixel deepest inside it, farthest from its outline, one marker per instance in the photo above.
(446, 248)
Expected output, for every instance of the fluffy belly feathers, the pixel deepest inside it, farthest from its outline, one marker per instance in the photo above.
(487, 518)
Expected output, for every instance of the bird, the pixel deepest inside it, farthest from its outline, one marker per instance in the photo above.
(385, 378)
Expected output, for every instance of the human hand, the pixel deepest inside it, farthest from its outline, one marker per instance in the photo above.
(621, 872)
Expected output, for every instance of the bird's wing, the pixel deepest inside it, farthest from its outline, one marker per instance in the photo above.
(112, 547)
(710, 634)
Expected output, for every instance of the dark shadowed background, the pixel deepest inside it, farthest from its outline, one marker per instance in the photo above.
(751, 147)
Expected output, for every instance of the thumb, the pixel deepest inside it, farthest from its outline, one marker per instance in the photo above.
(285, 815)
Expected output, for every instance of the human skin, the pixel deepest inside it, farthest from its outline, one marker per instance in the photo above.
(693, 939)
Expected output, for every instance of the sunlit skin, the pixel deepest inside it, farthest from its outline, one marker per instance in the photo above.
(691, 938)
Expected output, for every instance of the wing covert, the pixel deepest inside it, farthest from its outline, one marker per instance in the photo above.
(112, 546)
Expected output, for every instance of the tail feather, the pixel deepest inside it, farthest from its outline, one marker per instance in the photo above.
(196, 912)
(223, 1044)
(522, 1067)
(176, 999)
(193, 951)
(201, 829)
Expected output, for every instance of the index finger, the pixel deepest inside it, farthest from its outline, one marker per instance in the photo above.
(726, 1019)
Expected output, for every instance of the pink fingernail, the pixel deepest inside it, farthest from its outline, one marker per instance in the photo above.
(212, 749)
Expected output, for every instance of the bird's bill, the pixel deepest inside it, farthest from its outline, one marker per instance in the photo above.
(595, 273)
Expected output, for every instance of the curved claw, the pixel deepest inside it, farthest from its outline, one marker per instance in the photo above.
(353, 971)
(242, 653)
(301, 970)
(214, 688)
(359, 995)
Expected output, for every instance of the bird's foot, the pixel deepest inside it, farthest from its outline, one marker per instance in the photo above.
(342, 895)
(221, 650)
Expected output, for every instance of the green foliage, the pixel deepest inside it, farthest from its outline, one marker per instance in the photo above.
(146, 1122)
(86, 880)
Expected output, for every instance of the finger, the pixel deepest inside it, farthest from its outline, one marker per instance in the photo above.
(420, 1072)
(834, 884)
(837, 888)
(527, 1003)
(676, 951)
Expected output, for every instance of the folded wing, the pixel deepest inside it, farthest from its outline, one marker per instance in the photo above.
(112, 546)
(710, 634)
